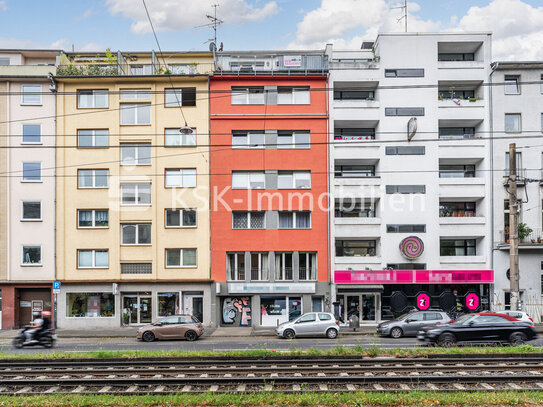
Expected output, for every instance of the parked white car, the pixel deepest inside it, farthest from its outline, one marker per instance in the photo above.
(520, 315)
(310, 324)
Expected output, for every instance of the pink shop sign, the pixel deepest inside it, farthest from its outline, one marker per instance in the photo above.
(413, 276)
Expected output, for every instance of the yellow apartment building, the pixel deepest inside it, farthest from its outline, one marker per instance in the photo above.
(132, 188)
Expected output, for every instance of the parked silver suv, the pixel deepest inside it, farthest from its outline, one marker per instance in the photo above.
(409, 324)
(310, 324)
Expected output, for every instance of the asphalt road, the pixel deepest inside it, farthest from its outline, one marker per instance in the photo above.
(219, 344)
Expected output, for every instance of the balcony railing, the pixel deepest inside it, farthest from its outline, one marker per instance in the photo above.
(272, 63)
(307, 273)
(534, 238)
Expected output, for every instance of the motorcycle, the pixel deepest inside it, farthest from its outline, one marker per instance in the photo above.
(46, 339)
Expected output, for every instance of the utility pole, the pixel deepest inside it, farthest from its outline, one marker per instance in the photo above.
(404, 17)
(513, 230)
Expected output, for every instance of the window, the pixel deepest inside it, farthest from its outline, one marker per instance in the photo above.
(512, 123)
(31, 211)
(355, 248)
(235, 266)
(354, 134)
(135, 154)
(406, 228)
(136, 268)
(406, 189)
(404, 111)
(173, 138)
(511, 85)
(353, 94)
(32, 172)
(134, 114)
(283, 266)
(141, 69)
(4, 61)
(183, 69)
(180, 218)
(406, 266)
(307, 270)
(404, 73)
(248, 139)
(247, 96)
(295, 220)
(456, 209)
(31, 95)
(323, 317)
(90, 305)
(293, 139)
(136, 234)
(259, 267)
(248, 180)
(347, 208)
(136, 194)
(248, 220)
(180, 177)
(168, 304)
(307, 318)
(506, 213)
(92, 259)
(405, 150)
(461, 247)
(456, 132)
(31, 134)
(444, 94)
(92, 218)
(88, 99)
(31, 256)
(92, 178)
(294, 179)
(179, 97)
(293, 96)
(456, 56)
(354, 171)
(180, 257)
(456, 171)
(519, 164)
(135, 94)
(92, 138)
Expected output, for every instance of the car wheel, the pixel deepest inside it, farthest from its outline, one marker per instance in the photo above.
(517, 338)
(47, 343)
(289, 334)
(18, 342)
(148, 336)
(446, 340)
(191, 336)
(331, 333)
(396, 332)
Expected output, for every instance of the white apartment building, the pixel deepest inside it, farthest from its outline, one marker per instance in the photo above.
(517, 117)
(410, 175)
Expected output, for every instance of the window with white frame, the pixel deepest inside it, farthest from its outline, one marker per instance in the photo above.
(294, 220)
(173, 138)
(293, 96)
(235, 266)
(248, 180)
(294, 180)
(92, 178)
(511, 84)
(248, 95)
(179, 97)
(512, 123)
(283, 266)
(31, 134)
(31, 95)
(135, 94)
(135, 114)
(136, 234)
(136, 154)
(180, 257)
(248, 139)
(90, 138)
(92, 218)
(180, 177)
(136, 194)
(259, 267)
(248, 220)
(31, 256)
(4, 61)
(180, 218)
(92, 259)
(31, 211)
(141, 69)
(307, 270)
(32, 172)
(92, 98)
(293, 139)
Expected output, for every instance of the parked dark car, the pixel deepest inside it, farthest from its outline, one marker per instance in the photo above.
(410, 324)
(481, 327)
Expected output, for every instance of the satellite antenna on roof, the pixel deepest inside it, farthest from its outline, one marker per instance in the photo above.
(214, 22)
(404, 17)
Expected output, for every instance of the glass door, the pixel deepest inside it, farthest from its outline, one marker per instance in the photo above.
(353, 307)
(145, 310)
(194, 305)
(137, 309)
(130, 310)
(368, 307)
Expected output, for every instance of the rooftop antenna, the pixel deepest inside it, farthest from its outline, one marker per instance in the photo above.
(404, 17)
(214, 22)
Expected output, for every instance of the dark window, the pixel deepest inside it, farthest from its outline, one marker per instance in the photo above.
(404, 73)
(460, 247)
(354, 171)
(325, 317)
(351, 248)
(353, 94)
(456, 171)
(406, 228)
(405, 150)
(456, 209)
(456, 132)
(406, 266)
(406, 189)
(456, 56)
(404, 111)
(432, 316)
(456, 94)
(354, 209)
(354, 134)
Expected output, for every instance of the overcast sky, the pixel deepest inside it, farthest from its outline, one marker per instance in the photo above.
(89, 25)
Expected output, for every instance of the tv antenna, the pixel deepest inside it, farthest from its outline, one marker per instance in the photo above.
(214, 22)
(404, 17)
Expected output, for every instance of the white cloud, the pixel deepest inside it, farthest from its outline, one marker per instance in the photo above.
(170, 15)
(84, 15)
(3, 6)
(91, 46)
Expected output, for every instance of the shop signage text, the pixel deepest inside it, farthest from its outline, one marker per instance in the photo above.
(414, 276)
(265, 288)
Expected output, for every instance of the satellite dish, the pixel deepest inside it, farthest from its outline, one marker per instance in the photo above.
(411, 128)
(212, 47)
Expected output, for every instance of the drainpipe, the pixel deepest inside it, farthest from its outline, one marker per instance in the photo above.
(53, 88)
(493, 67)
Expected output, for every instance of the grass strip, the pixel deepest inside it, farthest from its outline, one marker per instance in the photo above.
(497, 398)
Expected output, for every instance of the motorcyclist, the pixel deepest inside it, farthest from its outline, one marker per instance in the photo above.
(36, 325)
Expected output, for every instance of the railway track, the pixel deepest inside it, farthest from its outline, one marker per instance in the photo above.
(227, 375)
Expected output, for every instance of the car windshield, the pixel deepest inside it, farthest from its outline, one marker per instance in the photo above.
(463, 319)
(195, 320)
(401, 318)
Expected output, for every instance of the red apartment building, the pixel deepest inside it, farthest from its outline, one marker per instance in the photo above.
(268, 165)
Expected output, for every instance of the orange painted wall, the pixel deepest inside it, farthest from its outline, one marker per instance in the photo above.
(226, 117)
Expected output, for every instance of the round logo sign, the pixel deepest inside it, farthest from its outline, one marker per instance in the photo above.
(472, 301)
(411, 247)
(423, 301)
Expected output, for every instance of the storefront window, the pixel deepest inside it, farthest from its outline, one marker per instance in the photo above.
(274, 309)
(90, 305)
(168, 304)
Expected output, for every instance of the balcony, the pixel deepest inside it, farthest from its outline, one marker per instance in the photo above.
(27, 70)
(521, 177)
(251, 64)
(461, 260)
(356, 227)
(357, 261)
(454, 57)
(533, 241)
(461, 188)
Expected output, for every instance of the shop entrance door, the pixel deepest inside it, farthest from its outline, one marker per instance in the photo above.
(364, 306)
(137, 309)
(194, 305)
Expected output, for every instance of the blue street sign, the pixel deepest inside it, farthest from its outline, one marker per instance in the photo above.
(56, 285)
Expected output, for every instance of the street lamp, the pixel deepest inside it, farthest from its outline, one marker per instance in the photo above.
(186, 129)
